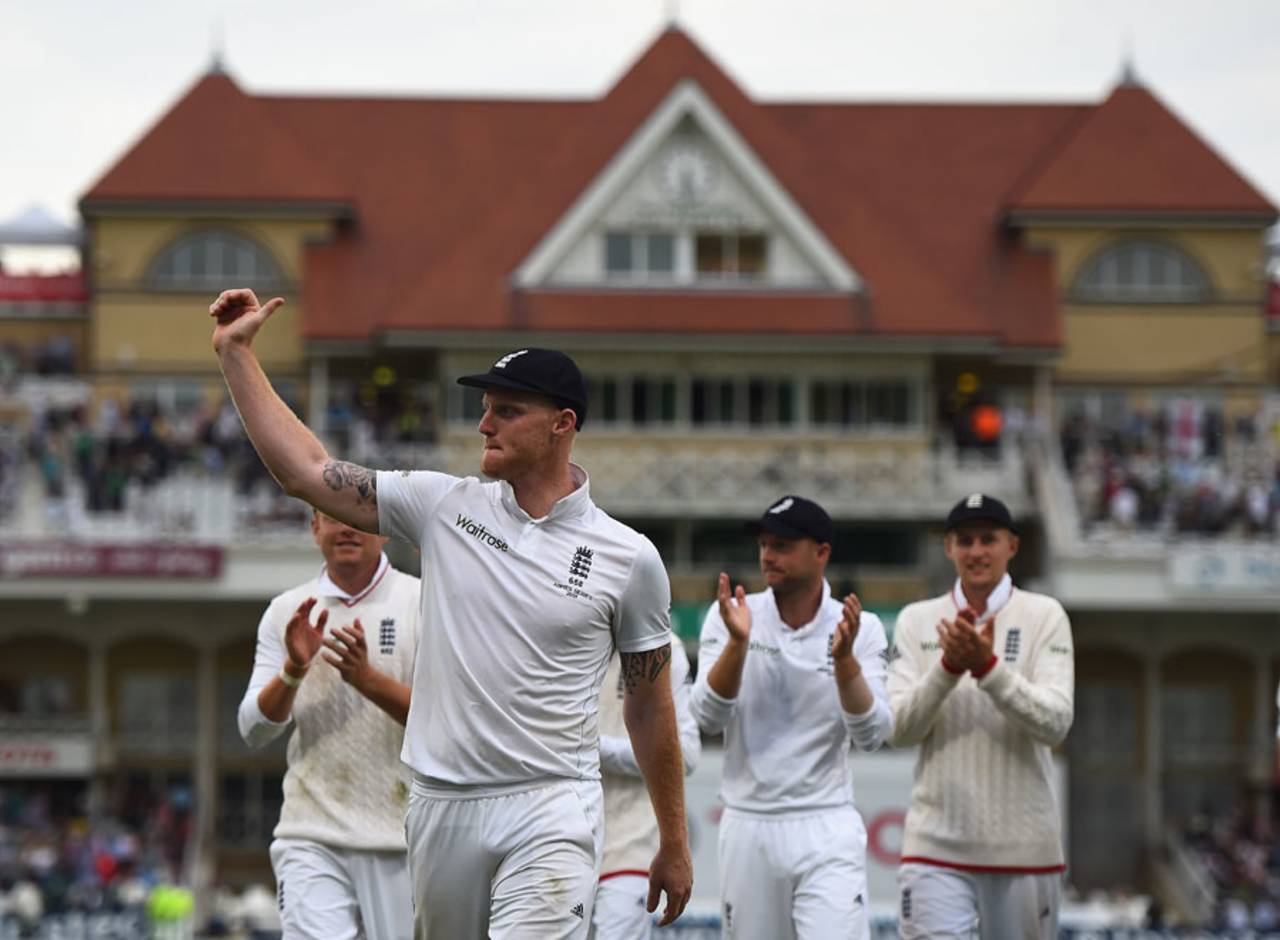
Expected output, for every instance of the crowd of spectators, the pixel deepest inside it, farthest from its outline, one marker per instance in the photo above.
(1179, 467)
(1240, 853)
(90, 453)
(60, 868)
(55, 859)
(119, 441)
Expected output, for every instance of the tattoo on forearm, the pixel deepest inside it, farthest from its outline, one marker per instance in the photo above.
(647, 665)
(340, 474)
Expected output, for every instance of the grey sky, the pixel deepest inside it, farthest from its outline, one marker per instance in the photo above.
(83, 80)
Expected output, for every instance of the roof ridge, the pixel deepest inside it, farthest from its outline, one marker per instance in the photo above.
(151, 127)
(1133, 153)
(218, 116)
(1053, 148)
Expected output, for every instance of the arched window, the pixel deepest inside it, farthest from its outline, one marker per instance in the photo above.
(208, 260)
(1141, 272)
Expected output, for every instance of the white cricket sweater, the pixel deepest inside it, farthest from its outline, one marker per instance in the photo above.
(345, 785)
(982, 797)
(630, 828)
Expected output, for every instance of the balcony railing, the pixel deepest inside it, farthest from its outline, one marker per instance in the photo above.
(634, 477)
(646, 476)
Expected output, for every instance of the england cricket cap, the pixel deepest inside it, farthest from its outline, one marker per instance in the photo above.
(544, 371)
(984, 508)
(794, 517)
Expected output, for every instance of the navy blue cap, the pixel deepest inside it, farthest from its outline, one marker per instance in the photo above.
(980, 507)
(794, 517)
(547, 372)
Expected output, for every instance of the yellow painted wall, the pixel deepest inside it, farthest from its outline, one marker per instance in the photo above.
(148, 333)
(1224, 341)
(1129, 343)
(134, 329)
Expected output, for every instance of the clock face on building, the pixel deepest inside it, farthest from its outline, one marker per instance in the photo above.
(686, 172)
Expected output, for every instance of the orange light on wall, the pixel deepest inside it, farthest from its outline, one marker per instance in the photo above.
(987, 423)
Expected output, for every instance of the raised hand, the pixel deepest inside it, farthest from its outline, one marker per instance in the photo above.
(847, 628)
(734, 610)
(350, 654)
(239, 316)
(301, 640)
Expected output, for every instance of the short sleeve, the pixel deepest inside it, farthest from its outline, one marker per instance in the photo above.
(406, 500)
(643, 620)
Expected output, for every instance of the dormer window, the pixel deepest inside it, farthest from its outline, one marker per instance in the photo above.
(686, 204)
(684, 256)
(729, 255)
(639, 255)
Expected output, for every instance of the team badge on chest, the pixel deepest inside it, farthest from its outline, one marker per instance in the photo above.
(580, 567)
(579, 571)
(387, 635)
(1012, 644)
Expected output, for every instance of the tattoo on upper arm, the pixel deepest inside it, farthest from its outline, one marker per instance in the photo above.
(647, 665)
(340, 474)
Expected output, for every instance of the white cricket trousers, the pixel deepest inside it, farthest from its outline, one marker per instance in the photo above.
(794, 876)
(518, 864)
(620, 912)
(340, 894)
(940, 903)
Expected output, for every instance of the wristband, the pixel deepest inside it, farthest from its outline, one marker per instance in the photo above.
(291, 681)
(991, 664)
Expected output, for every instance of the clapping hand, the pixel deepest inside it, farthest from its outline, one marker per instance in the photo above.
(734, 610)
(847, 628)
(350, 654)
(301, 640)
(965, 646)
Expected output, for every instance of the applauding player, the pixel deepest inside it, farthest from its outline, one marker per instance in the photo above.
(791, 675)
(983, 681)
(339, 848)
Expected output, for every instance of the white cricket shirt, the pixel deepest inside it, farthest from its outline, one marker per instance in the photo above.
(786, 735)
(519, 619)
(345, 785)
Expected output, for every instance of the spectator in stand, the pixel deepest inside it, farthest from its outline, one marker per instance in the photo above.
(1185, 475)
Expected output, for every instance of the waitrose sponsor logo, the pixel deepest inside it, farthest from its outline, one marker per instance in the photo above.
(477, 531)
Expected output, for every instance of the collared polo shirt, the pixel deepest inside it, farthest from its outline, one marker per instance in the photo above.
(519, 619)
(786, 739)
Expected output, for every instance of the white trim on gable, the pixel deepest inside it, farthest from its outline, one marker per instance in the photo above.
(687, 99)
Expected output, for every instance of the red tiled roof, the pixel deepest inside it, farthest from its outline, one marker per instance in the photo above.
(1131, 154)
(452, 195)
(217, 143)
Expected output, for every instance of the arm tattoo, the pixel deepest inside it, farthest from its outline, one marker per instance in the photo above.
(646, 665)
(340, 474)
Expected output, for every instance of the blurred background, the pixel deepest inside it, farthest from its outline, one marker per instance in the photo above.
(881, 258)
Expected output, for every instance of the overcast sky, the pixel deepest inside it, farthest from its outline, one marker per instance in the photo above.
(81, 81)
